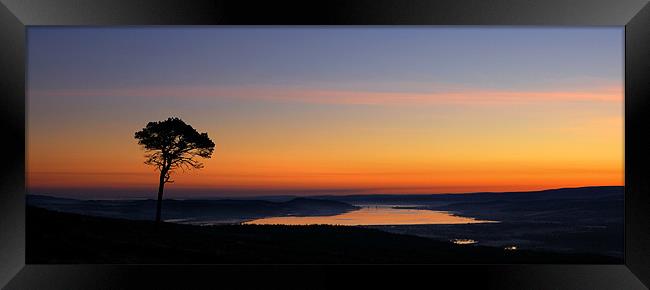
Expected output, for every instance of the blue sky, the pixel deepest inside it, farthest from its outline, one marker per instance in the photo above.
(62, 58)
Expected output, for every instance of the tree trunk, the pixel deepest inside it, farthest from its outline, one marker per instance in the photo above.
(161, 187)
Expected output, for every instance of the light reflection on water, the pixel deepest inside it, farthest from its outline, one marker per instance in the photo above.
(464, 241)
(373, 215)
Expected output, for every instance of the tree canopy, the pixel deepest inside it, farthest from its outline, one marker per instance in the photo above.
(172, 144)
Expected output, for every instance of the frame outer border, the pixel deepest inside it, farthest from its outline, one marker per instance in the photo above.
(637, 145)
(12, 120)
(15, 15)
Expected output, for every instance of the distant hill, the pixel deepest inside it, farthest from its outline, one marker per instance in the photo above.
(575, 206)
(555, 194)
(193, 210)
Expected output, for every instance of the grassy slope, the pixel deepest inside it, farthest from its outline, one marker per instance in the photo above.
(54, 237)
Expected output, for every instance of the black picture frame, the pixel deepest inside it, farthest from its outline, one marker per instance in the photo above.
(16, 15)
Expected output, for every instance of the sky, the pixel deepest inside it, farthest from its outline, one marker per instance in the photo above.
(327, 110)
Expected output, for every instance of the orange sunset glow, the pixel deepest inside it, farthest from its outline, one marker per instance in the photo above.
(369, 132)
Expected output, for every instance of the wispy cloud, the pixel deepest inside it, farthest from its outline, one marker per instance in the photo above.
(606, 92)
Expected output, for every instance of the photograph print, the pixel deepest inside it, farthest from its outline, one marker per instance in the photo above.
(325, 145)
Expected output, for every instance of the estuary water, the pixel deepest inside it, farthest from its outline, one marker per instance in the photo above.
(373, 215)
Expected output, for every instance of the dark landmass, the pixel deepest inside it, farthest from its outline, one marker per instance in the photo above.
(194, 210)
(64, 238)
(441, 200)
(577, 206)
(588, 219)
(570, 220)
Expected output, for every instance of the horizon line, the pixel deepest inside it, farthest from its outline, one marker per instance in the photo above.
(322, 195)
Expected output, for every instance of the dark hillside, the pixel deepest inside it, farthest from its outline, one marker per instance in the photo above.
(221, 210)
(54, 237)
